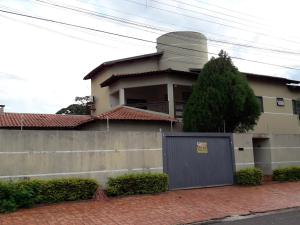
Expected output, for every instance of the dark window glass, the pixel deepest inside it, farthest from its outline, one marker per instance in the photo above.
(261, 103)
(185, 96)
(296, 107)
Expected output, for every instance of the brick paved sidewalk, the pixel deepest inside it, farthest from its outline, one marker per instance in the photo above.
(174, 207)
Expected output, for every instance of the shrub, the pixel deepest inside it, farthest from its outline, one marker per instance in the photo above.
(139, 183)
(23, 194)
(249, 176)
(287, 174)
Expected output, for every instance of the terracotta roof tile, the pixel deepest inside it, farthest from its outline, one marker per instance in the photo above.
(28, 120)
(130, 113)
(11, 120)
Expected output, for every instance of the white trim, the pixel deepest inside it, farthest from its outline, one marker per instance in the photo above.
(265, 148)
(281, 162)
(237, 148)
(272, 97)
(247, 163)
(83, 151)
(84, 172)
(285, 114)
(285, 162)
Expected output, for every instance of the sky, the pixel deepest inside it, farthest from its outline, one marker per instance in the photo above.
(42, 64)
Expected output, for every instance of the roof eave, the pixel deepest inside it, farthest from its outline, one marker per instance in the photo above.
(129, 59)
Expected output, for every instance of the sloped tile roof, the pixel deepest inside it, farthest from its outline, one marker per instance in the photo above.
(51, 121)
(29, 120)
(130, 113)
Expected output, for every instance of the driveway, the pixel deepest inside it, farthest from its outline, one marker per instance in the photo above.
(175, 207)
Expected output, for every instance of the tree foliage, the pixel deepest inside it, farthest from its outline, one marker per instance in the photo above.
(80, 108)
(221, 99)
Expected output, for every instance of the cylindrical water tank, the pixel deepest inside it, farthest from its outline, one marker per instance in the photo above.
(183, 50)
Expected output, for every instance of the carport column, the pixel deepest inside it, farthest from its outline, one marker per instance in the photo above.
(171, 99)
(121, 96)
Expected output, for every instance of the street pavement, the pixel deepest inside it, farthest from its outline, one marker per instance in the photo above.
(286, 217)
(173, 207)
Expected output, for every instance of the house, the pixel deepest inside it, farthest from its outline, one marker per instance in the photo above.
(149, 92)
(162, 82)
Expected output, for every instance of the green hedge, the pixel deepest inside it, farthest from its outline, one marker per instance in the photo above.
(24, 194)
(287, 174)
(249, 176)
(139, 183)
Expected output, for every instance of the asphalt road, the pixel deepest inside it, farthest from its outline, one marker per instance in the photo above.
(288, 217)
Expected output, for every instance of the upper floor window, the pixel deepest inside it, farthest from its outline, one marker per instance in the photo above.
(261, 103)
(280, 102)
(296, 107)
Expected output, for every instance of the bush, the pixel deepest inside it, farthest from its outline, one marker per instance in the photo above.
(287, 174)
(249, 176)
(140, 183)
(23, 194)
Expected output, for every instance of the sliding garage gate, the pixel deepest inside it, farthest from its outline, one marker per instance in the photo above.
(198, 159)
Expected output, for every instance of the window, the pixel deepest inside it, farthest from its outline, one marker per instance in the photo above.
(137, 103)
(296, 107)
(261, 103)
(280, 102)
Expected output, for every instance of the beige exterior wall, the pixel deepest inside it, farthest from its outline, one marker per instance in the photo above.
(102, 95)
(276, 119)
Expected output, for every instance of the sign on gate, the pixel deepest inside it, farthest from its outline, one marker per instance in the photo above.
(202, 147)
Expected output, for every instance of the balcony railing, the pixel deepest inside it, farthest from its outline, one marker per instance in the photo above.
(162, 106)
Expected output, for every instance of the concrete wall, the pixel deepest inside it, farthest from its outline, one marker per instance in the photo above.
(97, 154)
(94, 154)
(285, 150)
(243, 150)
(127, 126)
(267, 152)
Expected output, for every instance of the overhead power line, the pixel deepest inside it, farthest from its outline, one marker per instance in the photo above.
(134, 38)
(181, 26)
(211, 21)
(218, 12)
(230, 10)
(134, 23)
(205, 14)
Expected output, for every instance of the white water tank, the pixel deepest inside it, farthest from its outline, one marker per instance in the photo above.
(183, 50)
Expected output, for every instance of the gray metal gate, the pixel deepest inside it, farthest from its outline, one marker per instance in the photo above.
(198, 159)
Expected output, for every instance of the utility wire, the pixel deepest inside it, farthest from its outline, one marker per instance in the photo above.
(230, 10)
(134, 23)
(205, 14)
(211, 21)
(134, 38)
(172, 24)
(218, 12)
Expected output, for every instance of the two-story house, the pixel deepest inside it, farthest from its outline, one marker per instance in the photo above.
(162, 82)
